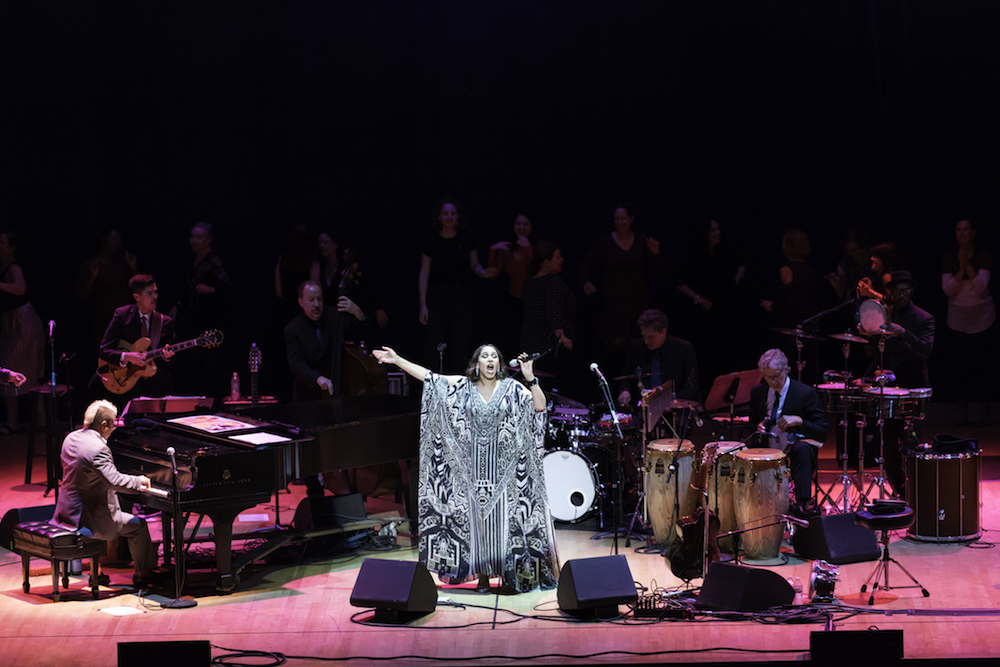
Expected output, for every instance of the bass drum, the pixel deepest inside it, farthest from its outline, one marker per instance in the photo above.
(571, 481)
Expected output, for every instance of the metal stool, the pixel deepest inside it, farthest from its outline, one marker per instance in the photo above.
(58, 545)
(42, 396)
(885, 523)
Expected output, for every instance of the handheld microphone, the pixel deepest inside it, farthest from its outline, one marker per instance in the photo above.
(516, 363)
(173, 461)
(52, 327)
(442, 347)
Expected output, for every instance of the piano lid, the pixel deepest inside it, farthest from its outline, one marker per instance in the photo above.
(314, 416)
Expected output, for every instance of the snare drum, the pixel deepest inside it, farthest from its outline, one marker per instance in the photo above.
(720, 491)
(661, 495)
(571, 481)
(888, 403)
(760, 496)
(943, 490)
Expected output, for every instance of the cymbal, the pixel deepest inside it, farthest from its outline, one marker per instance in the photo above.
(559, 399)
(798, 333)
(682, 404)
(634, 376)
(849, 337)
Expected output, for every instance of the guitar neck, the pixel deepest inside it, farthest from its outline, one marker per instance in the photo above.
(157, 353)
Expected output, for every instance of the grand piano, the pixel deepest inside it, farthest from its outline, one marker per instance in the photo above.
(222, 474)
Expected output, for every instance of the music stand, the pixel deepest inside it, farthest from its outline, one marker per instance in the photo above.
(722, 394)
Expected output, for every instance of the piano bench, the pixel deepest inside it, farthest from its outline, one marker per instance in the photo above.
(59, 546)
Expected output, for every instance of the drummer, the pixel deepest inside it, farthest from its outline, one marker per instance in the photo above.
(787, 413)
(908, 346)
(659, 357)
(911, 331)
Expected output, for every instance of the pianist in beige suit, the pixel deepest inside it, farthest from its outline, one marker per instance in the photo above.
(88, 498)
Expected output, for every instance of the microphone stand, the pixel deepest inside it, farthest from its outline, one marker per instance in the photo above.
(52, 468)
(178, 602)
(619, 437)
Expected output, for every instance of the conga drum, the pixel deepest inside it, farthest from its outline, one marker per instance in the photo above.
(720, 491)
(663, 496)
(760, 496)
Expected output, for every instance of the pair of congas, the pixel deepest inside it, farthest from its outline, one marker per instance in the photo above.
(746, 488)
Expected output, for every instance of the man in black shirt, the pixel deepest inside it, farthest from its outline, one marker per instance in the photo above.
(661, 357)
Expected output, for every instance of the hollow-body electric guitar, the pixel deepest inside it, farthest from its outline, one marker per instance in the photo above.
(120, 379)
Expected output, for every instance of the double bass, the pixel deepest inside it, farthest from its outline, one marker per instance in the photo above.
(360, 374)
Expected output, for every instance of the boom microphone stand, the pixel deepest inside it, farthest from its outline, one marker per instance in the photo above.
(619, 437)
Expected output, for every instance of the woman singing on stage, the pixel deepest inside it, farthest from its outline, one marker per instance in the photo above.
(482, 506)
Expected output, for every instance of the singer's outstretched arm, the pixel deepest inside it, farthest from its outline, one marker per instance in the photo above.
(387, 355)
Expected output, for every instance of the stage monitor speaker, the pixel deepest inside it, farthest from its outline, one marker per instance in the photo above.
(836, 539)
(329, 512)
(879, 647)
(399, 590)
(736, 588)
(20, 515)
(196, 653)
(594, 587)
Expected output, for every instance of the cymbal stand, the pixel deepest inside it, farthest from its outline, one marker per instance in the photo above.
(800, 363)
(641, 512)
(845, 479)
(879, 480)
(619, 438)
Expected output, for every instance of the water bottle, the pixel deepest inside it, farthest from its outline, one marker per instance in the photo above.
(234, 387)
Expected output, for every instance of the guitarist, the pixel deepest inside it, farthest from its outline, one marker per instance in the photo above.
(135, 321)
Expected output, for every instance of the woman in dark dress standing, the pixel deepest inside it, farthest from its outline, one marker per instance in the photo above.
(620, 268)
(448, 260)
(22, 335)
(709, 279)
(205, 308)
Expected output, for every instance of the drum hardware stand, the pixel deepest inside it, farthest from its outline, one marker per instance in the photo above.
(845, 479)
(800, 364)
(880, 480)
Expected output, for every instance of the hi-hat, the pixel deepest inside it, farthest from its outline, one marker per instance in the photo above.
(798, 333)
(634, 376)
(849, 337)
(682, 404)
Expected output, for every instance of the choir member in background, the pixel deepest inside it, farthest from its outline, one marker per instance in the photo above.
(448, 262)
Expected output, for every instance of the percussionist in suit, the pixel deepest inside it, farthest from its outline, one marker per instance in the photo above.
(661, 357)
(135, 321)
(88, 498)
(786, 411)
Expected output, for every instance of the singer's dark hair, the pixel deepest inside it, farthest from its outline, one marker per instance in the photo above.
(472, 370)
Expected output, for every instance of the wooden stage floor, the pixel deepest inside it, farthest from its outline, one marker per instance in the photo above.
(303, 609)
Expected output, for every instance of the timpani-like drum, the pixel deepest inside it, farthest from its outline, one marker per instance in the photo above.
(760, 496)
(943, 490)
(835, 399)
(664, 492)
(720, 490)
(889, 402)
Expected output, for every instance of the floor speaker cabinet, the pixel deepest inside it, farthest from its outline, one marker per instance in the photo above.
(165, 654)
(329, 512)
(594, 587)
(20, 515)
(399, 590)
(879, 647)
(836, 539)
(736, 588)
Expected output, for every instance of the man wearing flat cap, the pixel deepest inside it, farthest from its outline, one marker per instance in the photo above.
(907, 348)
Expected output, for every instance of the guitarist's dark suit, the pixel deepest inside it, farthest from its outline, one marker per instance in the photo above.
(126, 325)
(802, 401)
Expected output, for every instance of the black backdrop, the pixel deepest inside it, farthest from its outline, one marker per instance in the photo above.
(360, 115)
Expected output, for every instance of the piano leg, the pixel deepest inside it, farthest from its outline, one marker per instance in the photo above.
(222, 524)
